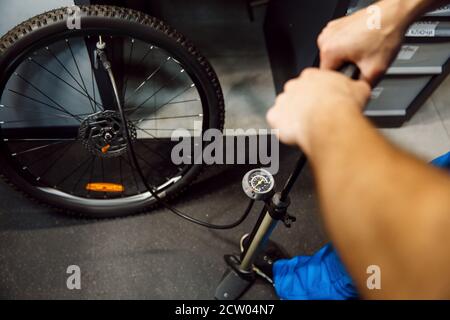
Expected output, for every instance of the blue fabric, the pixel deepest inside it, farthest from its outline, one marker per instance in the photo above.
(318, 277)
(321, 276)
(443, 162)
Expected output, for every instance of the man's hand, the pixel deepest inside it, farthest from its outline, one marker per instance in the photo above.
(350, 39)
(316, 94)
(373, 196)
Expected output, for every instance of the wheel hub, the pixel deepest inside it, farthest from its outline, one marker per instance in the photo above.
(102, 134)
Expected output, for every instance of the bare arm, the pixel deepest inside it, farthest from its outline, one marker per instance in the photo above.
(380, 205)
(349, 39)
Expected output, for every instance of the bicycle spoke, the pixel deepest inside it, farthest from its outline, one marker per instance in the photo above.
(150, 48)
(176, 96)
(103, 174)
(155, 72)
(151, 135)
(103, 169)
(171, 103)
(64, 152)
(72, 172)
(164, 129)
(35, 149)
(127, 161)
(93, 87)
(68, 72)
(91, 174)
(34, 139)
(121, 175)
(145, 161)
(169, 118)
(62, 109)
(64, 81)
(81, 176)
(154, 152)
(28, 120)
(42, 112)
(130, 56)
(156, 92)
(45, 156)
(132, 166)
(79, 72)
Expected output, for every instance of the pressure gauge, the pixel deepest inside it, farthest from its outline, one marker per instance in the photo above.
(258, 184)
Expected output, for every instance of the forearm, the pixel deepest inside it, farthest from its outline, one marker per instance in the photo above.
(405, 12)
(408, 11)
(417, 8)
(381, 207)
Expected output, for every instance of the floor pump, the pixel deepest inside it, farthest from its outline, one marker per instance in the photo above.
(259, 185)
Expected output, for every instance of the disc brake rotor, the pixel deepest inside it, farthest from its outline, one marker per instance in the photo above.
(102, 134)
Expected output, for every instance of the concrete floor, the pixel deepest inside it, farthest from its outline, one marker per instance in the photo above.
(427, 134)
(158, 256)
(153, 256)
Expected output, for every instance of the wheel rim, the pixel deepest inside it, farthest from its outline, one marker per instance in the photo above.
(64, 165)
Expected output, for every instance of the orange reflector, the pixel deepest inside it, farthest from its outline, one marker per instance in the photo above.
(105, 187)
(106, 148)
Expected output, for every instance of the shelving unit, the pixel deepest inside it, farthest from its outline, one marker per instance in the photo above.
(292, 28)
(421, 65)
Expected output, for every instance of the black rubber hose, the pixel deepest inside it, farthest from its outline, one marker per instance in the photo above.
(107, 66)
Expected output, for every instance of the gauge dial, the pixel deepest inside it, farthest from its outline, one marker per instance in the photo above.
(258, 184)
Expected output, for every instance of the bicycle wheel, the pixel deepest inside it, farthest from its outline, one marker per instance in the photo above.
(62, 138)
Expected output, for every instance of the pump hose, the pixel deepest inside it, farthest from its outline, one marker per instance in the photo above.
(107, 66)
